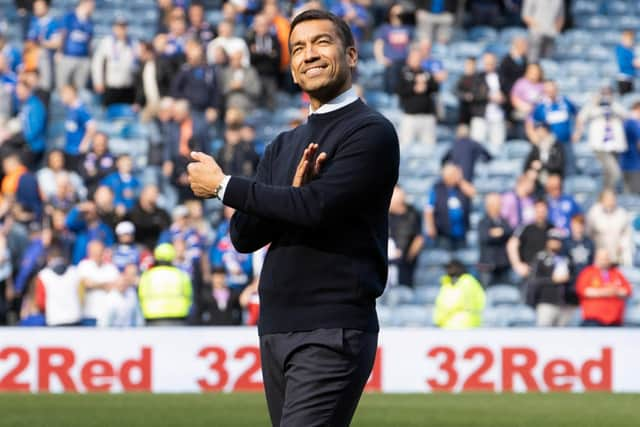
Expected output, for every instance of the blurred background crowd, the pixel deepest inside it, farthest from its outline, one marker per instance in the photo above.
(519, 195)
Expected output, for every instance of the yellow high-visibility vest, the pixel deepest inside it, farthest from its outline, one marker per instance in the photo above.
(459, 305)
(165, 293)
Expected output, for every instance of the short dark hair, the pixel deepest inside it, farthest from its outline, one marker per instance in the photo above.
(342, 28)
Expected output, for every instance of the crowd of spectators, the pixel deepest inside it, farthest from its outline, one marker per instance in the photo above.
(88, 238)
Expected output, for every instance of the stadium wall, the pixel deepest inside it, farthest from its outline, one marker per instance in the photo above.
(409, 360)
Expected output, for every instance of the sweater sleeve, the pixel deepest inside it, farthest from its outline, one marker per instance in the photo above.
(366, 164)
(251, 232)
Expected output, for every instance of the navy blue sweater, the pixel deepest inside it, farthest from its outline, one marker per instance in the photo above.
(327, 262)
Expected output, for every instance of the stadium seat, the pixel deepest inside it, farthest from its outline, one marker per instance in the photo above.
(413, 315)
(632, 317)
(502, 294)
(396, 295)
(120, 112)
(516, 149)
(469, 257)
(434, 258)
(495, 317)
(578, 183)
(482, 34)
(426, 294)
(428, 276)
(521, 316)
(385, 316)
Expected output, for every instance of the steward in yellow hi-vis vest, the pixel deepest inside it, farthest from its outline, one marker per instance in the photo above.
(461, 299)
(165, 291)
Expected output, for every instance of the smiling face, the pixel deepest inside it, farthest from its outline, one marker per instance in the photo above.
(320, 63)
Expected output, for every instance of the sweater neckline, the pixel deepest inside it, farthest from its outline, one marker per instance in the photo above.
(331, 115)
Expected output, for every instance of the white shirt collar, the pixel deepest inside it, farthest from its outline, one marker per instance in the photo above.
(342, 100)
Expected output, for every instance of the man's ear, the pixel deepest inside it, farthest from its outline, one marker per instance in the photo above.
(352, 56)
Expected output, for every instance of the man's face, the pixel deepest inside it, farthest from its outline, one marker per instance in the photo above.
(196, 13)
(194, 52)
(320, 64)
(541, 212)
(414, 59)
(125, 165)
(22, 92)
(577, 229)
(550, 90)
(120, 31)
(489, 62)
(554, 186)
(40, 8)
(261, 25)
(100, 143)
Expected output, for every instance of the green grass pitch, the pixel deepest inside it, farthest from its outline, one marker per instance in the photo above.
(375, 410)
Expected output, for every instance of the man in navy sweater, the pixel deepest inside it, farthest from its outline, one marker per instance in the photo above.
(326, 219)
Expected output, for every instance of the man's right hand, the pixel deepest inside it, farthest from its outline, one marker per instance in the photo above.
(304, 172)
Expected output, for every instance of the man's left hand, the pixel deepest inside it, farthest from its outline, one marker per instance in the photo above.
(205, 176)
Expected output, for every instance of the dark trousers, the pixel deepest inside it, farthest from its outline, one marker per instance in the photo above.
(625, 86)
(316, 378)
(114, 95)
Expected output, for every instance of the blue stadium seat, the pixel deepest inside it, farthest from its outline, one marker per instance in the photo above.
(498, 295)
(495, 317)
(521, 316)
(413, 315)
(120, 112)
(627, 21)
(434, 258)
(597, 22)
(426, 294)
(507, 34)
(580, 184)
(428, 276)
(385, 316)
(396, 295)
(505, 168)
(469, 257)
(516, 149)
(482, 34)
(632, 316)
(585, 7)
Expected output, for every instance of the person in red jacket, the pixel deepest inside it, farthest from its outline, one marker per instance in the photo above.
(602, 290)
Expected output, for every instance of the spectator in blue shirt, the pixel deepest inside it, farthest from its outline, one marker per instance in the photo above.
(353, 14)
(430, 64)
(44, 29)
(448, 209)
(237, 267)
(83, 220)
(562, 207)
(29, 140)
(11, 53)
(391, 46)
(630, 159)
(559, 113)
(74, 66)
(627, 62)
(79, 127)
(124, 184)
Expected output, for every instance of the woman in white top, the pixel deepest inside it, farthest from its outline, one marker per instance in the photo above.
(609, 226)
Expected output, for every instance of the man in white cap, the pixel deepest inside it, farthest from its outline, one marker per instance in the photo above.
(126, 251)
